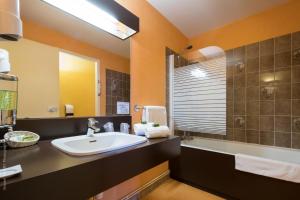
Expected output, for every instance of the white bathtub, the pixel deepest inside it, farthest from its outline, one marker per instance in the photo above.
(209, 164)
(232, 148)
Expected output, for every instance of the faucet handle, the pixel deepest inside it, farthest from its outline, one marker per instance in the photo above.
(92, 124)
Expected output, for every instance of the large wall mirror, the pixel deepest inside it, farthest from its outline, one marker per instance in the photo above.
(79, 70)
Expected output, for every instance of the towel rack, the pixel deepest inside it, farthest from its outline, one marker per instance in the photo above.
(137, 108)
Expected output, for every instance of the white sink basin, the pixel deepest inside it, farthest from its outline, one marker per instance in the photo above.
(102, 142)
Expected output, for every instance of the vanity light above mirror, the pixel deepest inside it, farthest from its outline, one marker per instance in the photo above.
(106, 15)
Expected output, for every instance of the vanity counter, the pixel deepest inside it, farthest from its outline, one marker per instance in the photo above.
(48, 173)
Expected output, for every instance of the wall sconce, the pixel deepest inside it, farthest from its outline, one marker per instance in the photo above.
(114, 85)
(240, 66)
(296, 53)
(296, 122)
(239, 122)
(268, 91)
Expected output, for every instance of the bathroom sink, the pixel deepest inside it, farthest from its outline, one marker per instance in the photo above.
(102, 142)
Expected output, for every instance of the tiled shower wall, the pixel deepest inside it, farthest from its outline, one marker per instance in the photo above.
(117, 89)
(263, 93)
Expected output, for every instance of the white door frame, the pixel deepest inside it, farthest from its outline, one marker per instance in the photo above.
(97, 78)
(171, 86)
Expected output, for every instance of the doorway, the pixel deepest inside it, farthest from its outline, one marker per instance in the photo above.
(79, 80)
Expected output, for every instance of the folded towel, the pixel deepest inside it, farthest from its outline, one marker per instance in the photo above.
(267, 167)
(157, 132)
(140, 129)
(155, 114)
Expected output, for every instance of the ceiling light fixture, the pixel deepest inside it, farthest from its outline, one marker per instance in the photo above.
(106, 15)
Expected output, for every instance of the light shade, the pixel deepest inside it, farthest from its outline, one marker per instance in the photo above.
(97, 14)
(10, 21)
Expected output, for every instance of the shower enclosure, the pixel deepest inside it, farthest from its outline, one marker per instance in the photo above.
(245, 102)
(197, 94)
(249, 95)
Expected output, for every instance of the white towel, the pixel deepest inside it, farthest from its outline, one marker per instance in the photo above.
(267, 167)
(155, 114)
(157, 132)
(140, 129)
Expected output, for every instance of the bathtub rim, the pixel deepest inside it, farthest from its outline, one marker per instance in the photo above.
(228, 182)
(234, 142)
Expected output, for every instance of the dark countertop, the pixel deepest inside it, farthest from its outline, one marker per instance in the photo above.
(43, 162)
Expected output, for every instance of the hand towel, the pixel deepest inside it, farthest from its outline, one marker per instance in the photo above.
(157, 132)
(267, 167)
(155, 114)
(140, 129)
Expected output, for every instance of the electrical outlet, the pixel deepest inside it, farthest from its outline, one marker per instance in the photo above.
(52, 109)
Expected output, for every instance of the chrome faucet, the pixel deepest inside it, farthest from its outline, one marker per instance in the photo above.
(92, 128)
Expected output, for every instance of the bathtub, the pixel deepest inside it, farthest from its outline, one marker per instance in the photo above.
(210, 165)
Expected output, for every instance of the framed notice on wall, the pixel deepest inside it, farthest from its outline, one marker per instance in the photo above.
(122, 108)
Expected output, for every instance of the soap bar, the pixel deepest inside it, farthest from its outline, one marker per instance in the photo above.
(10, 171)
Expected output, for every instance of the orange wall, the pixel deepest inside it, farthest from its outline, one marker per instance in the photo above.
(147, 55)
(41, 33)
(276, 21)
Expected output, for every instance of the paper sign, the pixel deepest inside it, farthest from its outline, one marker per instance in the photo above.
(122, 108)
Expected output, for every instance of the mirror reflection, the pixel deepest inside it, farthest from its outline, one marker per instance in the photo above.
(78, 71)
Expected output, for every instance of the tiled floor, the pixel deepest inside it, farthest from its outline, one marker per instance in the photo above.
(174, 190)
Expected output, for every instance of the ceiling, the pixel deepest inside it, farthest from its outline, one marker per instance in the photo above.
(193, 17)
(54, 18)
